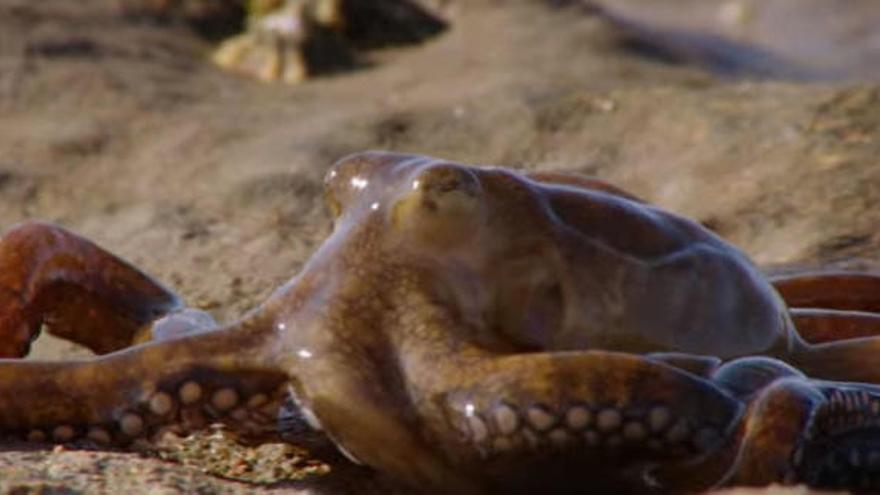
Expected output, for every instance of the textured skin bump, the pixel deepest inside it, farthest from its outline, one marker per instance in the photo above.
(131, 424)
(224, 399)
(659, 418)
(634, 431)
(36, 436)
(578, 418)
(540, 419)
(63, 433)
(608, 420)
(478, 429)
(190, 393)
(161, 404)
(99, 436)
(506, 419)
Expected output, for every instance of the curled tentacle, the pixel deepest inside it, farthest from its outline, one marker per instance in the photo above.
(797, 430)
(82, 293)
(746, 377)
(775, 425)
(832, 290)
(819, 326)
(838, 314)
(840, 450)
(823, 434)
(226, 376)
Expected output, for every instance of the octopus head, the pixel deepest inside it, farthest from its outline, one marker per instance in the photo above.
(485, 236)
(546, 261)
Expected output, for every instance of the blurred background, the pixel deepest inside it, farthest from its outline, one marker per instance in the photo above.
(191, 136)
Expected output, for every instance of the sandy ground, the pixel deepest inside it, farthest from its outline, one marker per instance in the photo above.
(211, 182)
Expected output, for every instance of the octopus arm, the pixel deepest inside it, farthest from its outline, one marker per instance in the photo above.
(178, 385)
(82, 293)
(369, 424)
(830, 289)
(820, 433)
(829, 306)
(577, 417)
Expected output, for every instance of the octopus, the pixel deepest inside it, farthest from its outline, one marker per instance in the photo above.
(471, 330)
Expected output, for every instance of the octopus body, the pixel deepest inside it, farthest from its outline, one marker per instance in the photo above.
(472, 330)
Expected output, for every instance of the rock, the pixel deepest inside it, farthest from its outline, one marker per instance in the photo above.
(289, 41)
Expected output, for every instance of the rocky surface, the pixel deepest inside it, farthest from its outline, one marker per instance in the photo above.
(120, 128)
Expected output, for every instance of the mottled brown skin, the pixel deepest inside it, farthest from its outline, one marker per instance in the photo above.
(473, 330)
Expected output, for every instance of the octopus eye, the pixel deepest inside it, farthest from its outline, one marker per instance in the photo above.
(332, 203)
(333, 193)
(442, 204)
